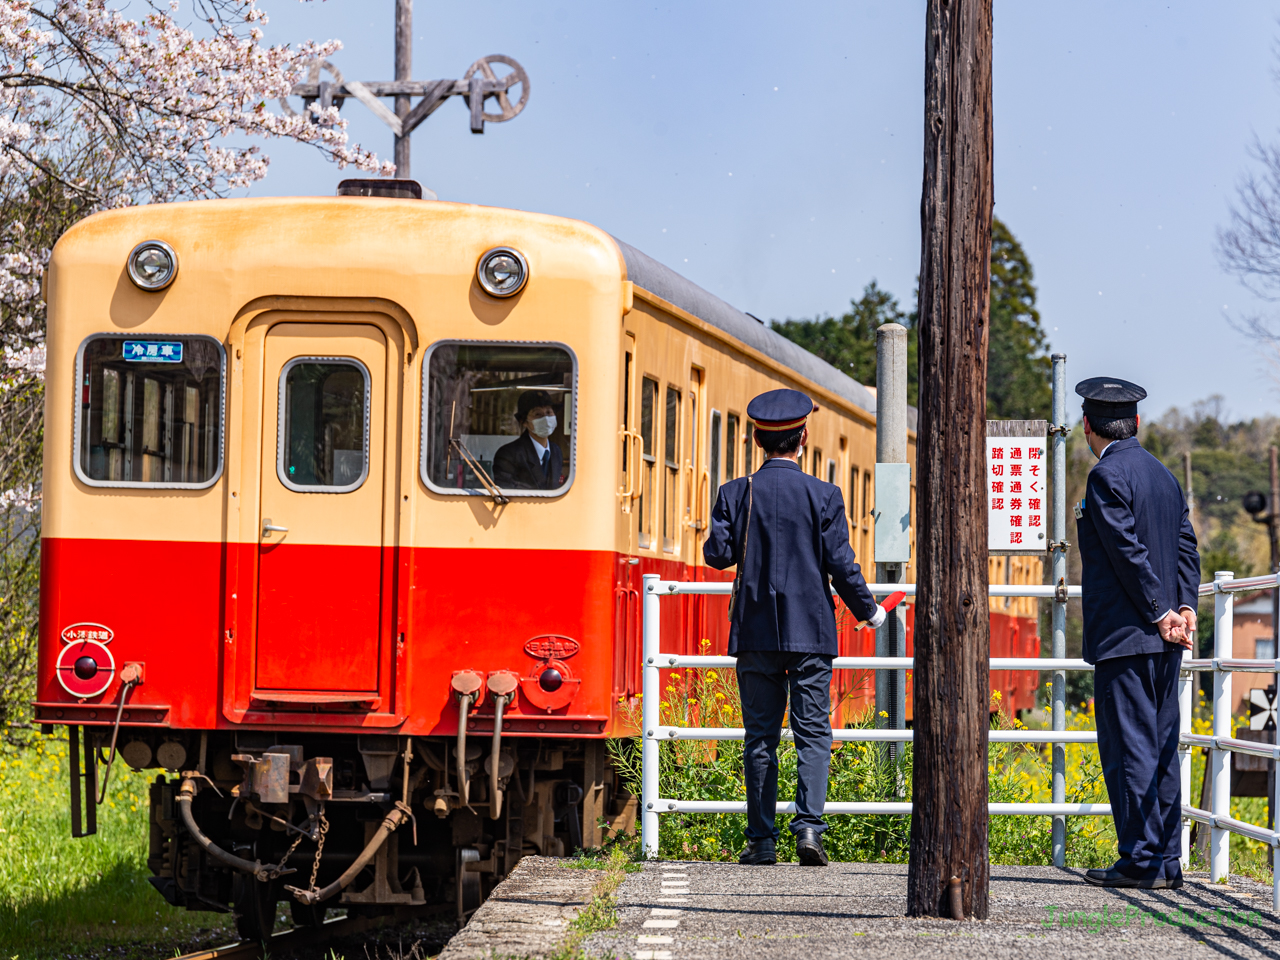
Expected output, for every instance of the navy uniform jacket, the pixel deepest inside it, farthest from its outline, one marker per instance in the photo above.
(1138, 552)
(798, 538)
(517, 465)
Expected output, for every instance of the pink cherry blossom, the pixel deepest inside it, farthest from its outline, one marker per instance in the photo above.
(110, 109)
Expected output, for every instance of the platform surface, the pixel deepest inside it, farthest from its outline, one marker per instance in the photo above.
(713, 911)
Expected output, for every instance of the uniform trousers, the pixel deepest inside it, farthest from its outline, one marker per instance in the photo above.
(765, 678)
(1136, 705)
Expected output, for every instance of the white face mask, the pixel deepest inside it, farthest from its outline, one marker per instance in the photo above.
(542, 427)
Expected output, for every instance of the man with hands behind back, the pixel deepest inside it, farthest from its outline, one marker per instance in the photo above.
(1139, 587)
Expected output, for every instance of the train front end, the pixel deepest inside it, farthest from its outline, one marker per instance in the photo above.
(331, 542)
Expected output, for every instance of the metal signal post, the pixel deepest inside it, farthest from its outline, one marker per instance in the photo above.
(478, 85)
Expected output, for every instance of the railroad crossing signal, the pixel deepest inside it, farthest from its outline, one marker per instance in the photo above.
(480, 84)
(1262, 708)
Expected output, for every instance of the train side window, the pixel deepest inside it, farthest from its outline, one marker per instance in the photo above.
(831, 471)
(671, 476)
(150, 411)
(715, 457)
(748, 447)
(817, 463)
(731, 447)
(324, 424)
(649, 460)
(483, 405)
(852, 507)
(626, 417)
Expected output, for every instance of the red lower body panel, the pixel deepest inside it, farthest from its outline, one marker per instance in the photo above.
(313, 602)
(392, 627)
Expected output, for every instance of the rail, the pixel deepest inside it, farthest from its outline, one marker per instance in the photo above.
(1220, 745)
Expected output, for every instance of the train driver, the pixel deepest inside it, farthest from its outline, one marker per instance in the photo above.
(532, 461)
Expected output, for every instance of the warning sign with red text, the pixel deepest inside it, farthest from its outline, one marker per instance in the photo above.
(1017, 494)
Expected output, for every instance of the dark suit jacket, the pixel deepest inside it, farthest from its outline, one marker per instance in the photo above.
(517, 465)
(1138, 552)
(798, 538)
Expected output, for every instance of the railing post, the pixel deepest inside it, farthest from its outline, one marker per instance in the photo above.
(1186, 683)
(650, 701)
(1275, 851)
(1220, 803)
(1059, 708)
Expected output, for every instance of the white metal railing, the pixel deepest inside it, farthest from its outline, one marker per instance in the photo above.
(1220, 744)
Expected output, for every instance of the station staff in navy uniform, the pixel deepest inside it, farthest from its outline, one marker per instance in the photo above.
(1141, 574)
(787, 532)
(532, 461)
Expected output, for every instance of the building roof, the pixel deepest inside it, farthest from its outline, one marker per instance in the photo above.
(1254, 604)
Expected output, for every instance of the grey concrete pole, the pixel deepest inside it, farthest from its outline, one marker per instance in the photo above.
(1060, 604)
(891, 447)
(404, 71)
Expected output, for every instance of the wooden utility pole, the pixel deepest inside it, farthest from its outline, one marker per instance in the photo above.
(952, 628)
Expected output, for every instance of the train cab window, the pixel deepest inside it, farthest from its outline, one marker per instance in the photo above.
(498, 414)
(324, 425)
(150, 411)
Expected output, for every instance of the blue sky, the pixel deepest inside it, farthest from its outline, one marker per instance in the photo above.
(772, 153)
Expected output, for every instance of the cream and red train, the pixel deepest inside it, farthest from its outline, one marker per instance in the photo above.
(274, 546)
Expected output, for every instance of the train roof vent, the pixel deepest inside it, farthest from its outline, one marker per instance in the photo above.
(381, 187)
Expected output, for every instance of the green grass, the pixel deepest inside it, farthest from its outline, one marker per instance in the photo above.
(693, 770)
(608, 858)
(61, 897)
(601, 911)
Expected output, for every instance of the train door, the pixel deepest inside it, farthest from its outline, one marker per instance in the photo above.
(321, 579)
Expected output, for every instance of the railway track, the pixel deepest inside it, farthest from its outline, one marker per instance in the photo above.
(281, 944)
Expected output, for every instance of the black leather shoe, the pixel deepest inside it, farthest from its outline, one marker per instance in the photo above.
(760, 853)
(1111, 877)
(809, 847)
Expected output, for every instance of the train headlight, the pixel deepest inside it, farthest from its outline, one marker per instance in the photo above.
(550, 680)
(86, 668)
(502, 272)
(152, 265)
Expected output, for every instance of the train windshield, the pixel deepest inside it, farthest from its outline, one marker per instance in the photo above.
(150, 411)
(498, 415)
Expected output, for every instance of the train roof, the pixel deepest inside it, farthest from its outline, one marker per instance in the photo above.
(659, 279)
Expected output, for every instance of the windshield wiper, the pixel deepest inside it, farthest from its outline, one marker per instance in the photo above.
(487, 481)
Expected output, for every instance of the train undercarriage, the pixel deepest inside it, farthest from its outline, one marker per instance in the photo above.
(242, 820)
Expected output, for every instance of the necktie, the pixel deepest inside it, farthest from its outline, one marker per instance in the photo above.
(546, 466)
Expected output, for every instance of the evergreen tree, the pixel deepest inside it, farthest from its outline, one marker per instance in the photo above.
(1019, 370)
(848, 342)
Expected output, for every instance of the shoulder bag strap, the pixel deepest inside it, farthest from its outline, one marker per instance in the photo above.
(742, 554)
